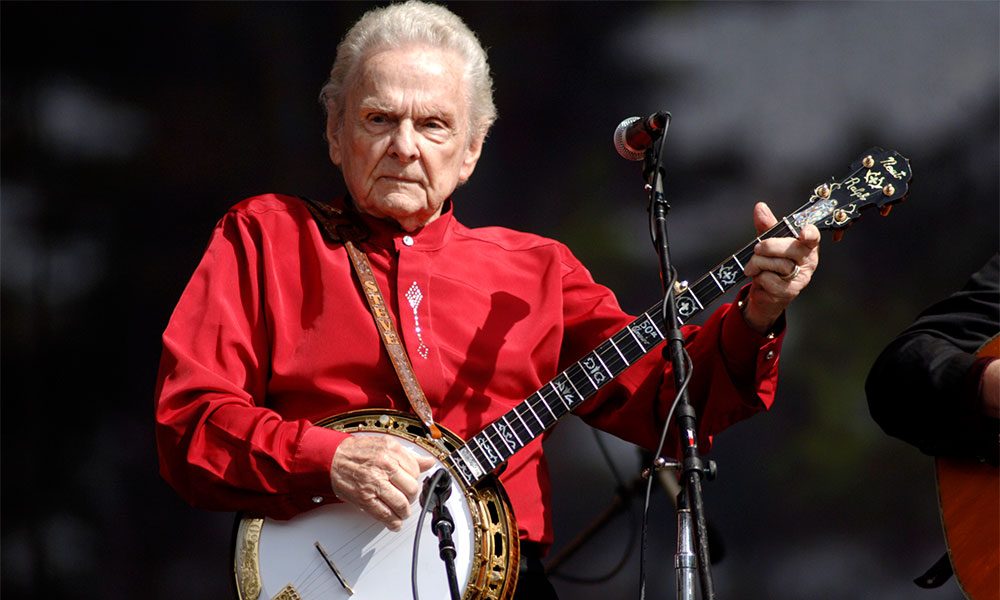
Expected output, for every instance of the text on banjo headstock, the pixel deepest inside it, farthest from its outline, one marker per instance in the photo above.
(879, 178)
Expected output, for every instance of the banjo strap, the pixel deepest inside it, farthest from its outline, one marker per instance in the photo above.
(345, 228)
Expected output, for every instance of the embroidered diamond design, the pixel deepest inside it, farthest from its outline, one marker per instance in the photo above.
(414, 296)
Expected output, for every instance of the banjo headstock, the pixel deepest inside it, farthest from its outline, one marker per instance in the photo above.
(877, 179)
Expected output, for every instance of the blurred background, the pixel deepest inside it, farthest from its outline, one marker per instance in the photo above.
(129, 128)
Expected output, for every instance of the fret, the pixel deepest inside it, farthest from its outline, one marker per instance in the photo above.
(523, 422)
(615, 346)
(597, 354)
(638, 343)
(791, 229)
(727, 274)
(496, 428)
(528, 404)
(477, 452)
(546, 404)
(546, 423)
(687, 305)
(629, 347)
(493, 433)
(695, 296)
(611, 358)
(566, 377)
(653, 323)
(742, 268)
(566, 404)
(580, 380)
(460, 468)
(589, 378)
(566, 391)
(513, 432)
(722, 288)
(471, 462)
(596, 369)
(557, 404)
(489, 452)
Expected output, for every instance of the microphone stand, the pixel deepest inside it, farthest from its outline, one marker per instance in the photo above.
(691, 510)
(443, 525)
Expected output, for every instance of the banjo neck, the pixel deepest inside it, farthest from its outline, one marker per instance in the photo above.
(877, 179)
(540, 411)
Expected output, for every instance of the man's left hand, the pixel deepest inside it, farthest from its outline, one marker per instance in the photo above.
(780, 269)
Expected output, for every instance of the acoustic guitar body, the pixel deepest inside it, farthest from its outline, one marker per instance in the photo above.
(969, 495)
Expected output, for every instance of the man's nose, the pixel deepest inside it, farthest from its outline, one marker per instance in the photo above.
(403, 142)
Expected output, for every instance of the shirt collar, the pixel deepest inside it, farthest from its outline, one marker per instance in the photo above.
(388, 234)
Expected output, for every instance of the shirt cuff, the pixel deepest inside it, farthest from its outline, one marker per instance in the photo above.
(744, 350)
(311, 468)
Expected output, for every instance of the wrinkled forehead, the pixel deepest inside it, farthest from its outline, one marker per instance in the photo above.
(420, 82)
(417, 68)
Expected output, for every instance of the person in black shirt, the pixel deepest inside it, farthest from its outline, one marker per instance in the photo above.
(932, 388)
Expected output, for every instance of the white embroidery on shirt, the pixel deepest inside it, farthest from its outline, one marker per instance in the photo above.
(414, 296)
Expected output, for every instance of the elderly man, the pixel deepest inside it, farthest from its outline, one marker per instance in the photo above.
(274, 333)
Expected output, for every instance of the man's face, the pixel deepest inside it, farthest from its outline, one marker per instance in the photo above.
(405, 144)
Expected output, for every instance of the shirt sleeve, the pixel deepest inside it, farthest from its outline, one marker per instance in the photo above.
(734, 373)
(219, 445)
(924, 387)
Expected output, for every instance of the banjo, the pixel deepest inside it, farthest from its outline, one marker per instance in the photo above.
(337, 551)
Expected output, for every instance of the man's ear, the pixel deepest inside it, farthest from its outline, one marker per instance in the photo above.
(333, 138)
(472, 154)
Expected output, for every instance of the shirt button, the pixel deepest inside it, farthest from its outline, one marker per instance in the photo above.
(407, 240)
(317, 499)
(769, 355)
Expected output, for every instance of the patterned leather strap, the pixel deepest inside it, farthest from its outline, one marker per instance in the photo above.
(338, 226)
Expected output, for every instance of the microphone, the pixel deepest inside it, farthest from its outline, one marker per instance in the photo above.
(634, 135)
(438, 484)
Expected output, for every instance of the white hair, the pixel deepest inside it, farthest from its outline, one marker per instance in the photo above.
(413, 23)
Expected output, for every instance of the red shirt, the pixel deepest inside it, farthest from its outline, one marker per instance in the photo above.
(273, 333)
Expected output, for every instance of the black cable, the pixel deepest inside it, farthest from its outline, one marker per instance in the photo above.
(424, 509)
(652, 474)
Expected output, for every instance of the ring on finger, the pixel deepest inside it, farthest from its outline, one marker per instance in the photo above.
(795, 273)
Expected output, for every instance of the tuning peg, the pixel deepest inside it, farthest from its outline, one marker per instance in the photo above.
(838, 234)
(885, 210)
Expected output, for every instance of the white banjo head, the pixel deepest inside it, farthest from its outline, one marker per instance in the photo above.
(337, 551)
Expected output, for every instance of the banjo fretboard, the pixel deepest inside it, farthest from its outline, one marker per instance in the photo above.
(878, 179)
(499, 440)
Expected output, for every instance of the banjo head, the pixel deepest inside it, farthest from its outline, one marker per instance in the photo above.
(337, 551)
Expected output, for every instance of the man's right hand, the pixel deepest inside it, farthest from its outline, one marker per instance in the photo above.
(379, 475)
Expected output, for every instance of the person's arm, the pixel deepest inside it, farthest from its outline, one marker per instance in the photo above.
(735, 354)
(929, 388)
(734, 376)
(220, 446)
(733, 365)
